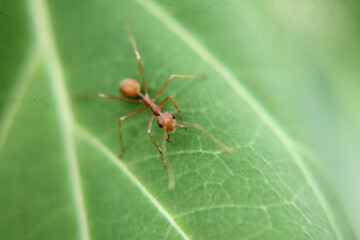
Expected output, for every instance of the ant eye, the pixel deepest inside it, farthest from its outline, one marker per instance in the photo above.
(173, 116)
(160, 125)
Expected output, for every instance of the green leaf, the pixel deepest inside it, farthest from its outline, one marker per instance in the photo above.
(266, 95)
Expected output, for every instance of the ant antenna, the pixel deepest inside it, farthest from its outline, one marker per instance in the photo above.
(212, 137)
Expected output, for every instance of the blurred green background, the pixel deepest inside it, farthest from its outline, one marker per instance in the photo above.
(298, 60)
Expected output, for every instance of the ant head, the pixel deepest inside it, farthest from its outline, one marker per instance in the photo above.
(167, 119)
(129, 87)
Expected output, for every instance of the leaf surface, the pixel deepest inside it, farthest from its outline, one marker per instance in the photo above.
(59, 165)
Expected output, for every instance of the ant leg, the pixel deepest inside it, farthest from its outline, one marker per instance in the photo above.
(120, 128)
(101, 95)
(173, 100)
(152, 139)
(138, 58)
(177, 76)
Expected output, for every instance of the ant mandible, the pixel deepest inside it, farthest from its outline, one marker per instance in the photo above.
(166, 120)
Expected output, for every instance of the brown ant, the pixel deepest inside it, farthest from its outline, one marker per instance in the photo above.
(166, 120)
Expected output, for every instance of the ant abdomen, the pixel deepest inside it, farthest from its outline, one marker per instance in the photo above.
(129, 87)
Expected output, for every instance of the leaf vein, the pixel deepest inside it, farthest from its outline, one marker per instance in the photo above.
(22, 82)
(161, 14)
(86, 136)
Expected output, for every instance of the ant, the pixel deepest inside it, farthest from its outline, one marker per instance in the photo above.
(166, 120)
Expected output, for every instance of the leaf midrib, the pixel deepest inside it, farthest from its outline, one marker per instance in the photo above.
(47, 43)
